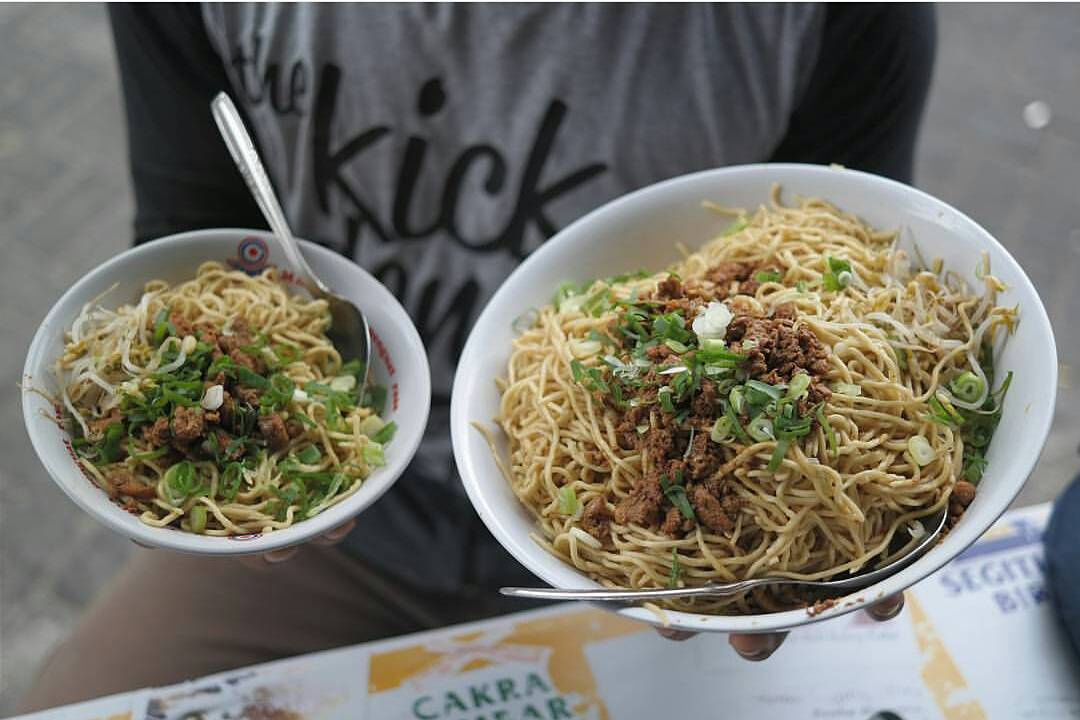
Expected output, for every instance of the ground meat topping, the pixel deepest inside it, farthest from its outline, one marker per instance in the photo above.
(724, 275)
(674, 523)
(642, 505)
(964, 492)
(669, 289)
(182, 325)
(99, 426)
(596, 519)
(777, 348)
(247, 395)
(710, 510)
(125, 484)
(273, 429)
(158, 434)
(188, 424)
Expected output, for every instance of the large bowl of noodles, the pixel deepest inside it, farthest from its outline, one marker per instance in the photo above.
(908, 323)
(203, 520)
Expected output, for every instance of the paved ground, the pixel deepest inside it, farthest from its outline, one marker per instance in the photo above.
(65, 206)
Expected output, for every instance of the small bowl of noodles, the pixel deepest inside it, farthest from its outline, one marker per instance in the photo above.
(185, 393)
(759, 371)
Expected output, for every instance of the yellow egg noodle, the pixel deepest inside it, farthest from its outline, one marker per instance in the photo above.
(817, 472)
(219, 405)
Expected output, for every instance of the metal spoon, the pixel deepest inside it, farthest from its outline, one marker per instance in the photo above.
(349, 331)
(855, 582)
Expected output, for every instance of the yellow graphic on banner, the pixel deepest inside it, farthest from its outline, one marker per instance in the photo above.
(562, 639)
(939, 671)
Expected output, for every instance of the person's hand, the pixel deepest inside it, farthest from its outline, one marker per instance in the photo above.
(759, 646)
(332, 537)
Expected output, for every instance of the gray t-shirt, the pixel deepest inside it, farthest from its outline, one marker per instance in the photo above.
(438, 145)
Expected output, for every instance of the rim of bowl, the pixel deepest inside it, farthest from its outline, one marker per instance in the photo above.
(526, 550)
(61, 469)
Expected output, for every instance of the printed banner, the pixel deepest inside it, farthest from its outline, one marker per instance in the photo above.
(977, 640)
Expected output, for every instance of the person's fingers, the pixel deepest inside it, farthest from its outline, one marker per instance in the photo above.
(756, 647)
(673, 634)
(337, 534)
(276, 556)
(887, 608)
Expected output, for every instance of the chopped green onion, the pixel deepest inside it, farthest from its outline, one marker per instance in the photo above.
(778, 454)
(801, 286)
(761, 429)
(373, 455)
(256, 347)
(568, 502)
(354, 367)
(676, 494)
(584, 348)
(771, 391)
(787, 427)
(525, 320)
(767, 276)
(286, 354)
(737, 398)
(974, 465)
(839, 274)
(566, 291)
(967, 386)
(736, 426)
(153, 454)
(847, 389)
(343, 383)
(830, 436)
(676, 346)
(161, 325)
(664, 396)
(250, 378)
(230, 481)
(676, 569)
(838, 265)
(715, 350)
(800, 383)
(197, 518)
(386, 434)
(309, 455)
(736, 225)
(110, 447)
(182, 481)
(721, 430)
(942, 411)
(920, 450)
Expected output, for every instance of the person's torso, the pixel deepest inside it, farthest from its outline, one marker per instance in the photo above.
(437, 145)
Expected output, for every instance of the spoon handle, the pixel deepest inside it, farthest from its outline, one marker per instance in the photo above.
(601, 594)
(247, 160)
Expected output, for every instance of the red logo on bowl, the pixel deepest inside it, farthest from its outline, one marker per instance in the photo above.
(251, 256)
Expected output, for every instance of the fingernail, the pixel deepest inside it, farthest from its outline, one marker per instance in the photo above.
(768, 646)
(889, 614)
(339, 532)
(756, 655)
(276, 556)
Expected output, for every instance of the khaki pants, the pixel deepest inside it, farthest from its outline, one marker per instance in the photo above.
(169, 617)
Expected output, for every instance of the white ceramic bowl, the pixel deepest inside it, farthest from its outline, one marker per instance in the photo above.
(640, 230)
(399, 363)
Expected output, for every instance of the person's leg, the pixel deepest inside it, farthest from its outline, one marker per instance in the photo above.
(169, 617)
(1061, 543)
